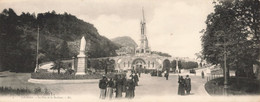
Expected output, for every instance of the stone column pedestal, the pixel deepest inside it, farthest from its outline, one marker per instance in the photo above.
(81, 65)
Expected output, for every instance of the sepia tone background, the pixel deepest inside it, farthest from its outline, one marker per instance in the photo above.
(173, 24)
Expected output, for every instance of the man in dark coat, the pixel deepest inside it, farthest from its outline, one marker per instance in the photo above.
(110, 86)
(181, 90)
(124, 82)
(130, 93)
(136, 79)
(103, 86)
(187, 84)
(119, 87)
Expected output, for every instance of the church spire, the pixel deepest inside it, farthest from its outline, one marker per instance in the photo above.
(143, 15)
(143, 47)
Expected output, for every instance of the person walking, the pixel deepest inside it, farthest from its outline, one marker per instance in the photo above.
(130, 89)
(110, 85)
(202, 75)
(166, 75)
(181, 90)
(124, 82)
(187, 84)
(103, 86)
(136, 79)
(119, 87)
(139, 73)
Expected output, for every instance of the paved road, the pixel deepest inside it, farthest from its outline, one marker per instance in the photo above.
(151, 89)
(148, 85)
(159, 86)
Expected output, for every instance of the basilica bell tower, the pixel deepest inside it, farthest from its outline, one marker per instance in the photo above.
(143, 46)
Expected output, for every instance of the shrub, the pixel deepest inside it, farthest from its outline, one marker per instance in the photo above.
(62, 76)
(69, 71)
(237, 86)
(42, 70)
(37, 90)
(189, 65)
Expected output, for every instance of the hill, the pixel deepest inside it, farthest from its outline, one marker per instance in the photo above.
(127, 45)
(124, 41)
(59, 38)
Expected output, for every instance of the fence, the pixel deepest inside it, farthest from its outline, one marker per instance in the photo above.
(214, 76)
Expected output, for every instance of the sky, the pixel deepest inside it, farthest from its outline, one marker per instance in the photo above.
(172, 26)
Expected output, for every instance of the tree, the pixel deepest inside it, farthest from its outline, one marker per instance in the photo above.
(234, 24)
(57, 65)
(199, 57)
(18, 36)
(173, 64)
(63, 50)
(106, 64)
(166, 65)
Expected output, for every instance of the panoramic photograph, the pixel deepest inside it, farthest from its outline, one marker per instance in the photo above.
(130, 50)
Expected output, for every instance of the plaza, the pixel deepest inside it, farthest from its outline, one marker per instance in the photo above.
(148, 86)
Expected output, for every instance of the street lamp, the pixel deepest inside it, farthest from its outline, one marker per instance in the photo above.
(37, 50)
(226, 70)
(37, 47)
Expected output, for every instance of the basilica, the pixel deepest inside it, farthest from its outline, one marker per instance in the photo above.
(142, 58)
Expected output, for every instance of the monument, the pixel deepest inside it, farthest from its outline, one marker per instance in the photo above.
(82, 58)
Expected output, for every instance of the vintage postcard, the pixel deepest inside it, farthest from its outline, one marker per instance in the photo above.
(130, 50)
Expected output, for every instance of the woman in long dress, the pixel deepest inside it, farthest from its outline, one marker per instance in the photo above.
(130, 89)
(119, 87)
(181, 89)
(110, 85)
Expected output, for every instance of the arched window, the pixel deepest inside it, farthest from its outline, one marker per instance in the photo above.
(124, 64)
(128, 64)
(142, 51)
(153, 64)
(148, 64)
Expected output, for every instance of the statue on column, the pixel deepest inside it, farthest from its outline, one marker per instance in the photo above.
(82, 58)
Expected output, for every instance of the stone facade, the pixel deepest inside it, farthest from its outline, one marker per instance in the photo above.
(143, 58)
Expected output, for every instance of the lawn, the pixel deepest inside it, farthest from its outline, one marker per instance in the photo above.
(237, 86)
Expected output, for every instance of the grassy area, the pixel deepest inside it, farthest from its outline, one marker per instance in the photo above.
(237, 86)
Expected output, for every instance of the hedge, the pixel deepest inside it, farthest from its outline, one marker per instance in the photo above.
(189, 65)
(63, 76)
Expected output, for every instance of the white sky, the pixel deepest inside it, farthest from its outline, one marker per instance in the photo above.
(172, 25)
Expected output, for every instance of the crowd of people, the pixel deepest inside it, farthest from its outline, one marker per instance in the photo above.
(184, 85)
(123, 86)
(118, 87)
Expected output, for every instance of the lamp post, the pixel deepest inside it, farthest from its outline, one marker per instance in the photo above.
(37, 50)
(226, 69)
